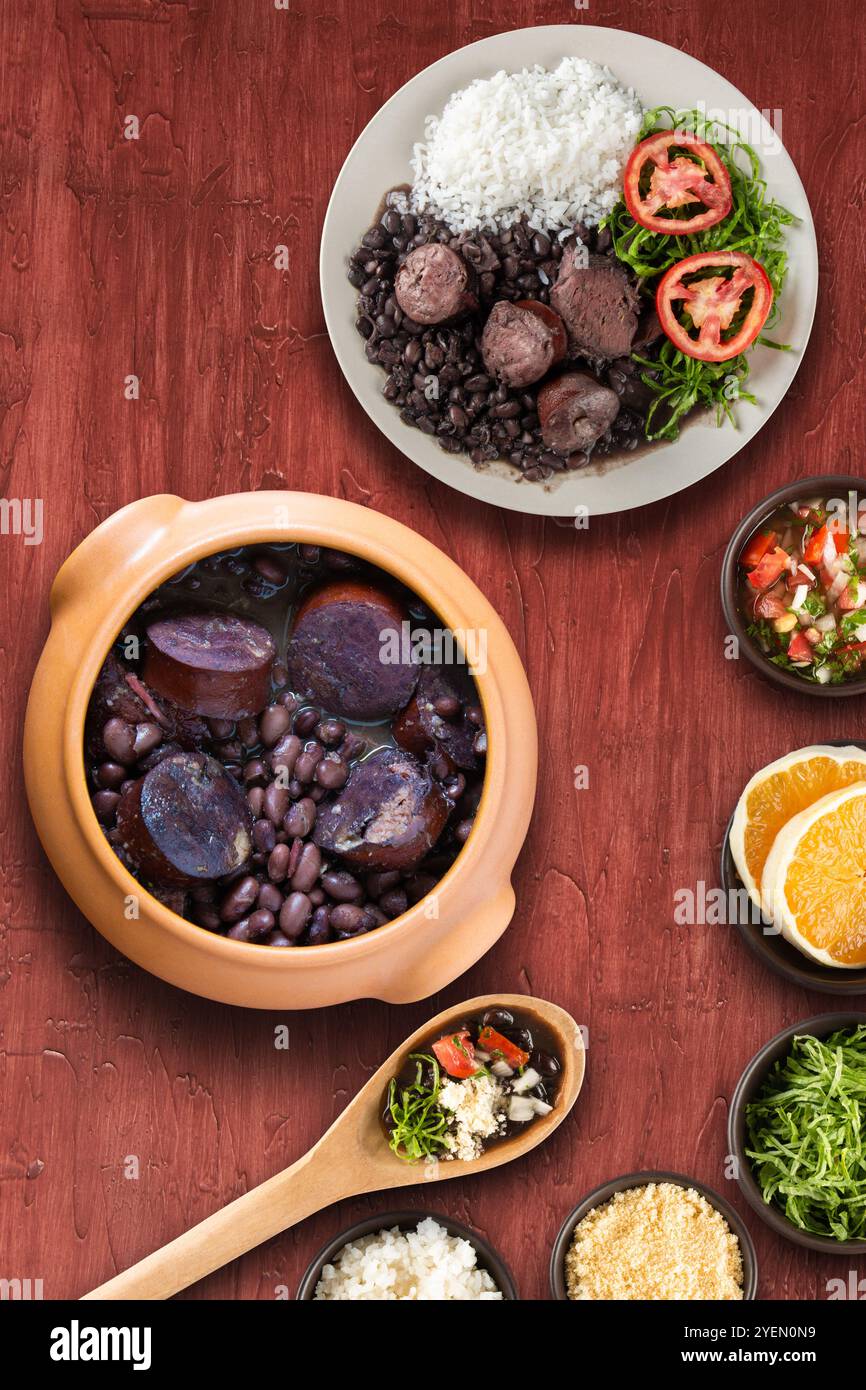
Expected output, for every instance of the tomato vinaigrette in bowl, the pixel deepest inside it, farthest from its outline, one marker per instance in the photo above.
(801, 588)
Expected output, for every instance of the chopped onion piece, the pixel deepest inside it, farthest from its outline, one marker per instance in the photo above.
(482, 1056)
(839, 585)
(501, 1068)
(826, 622)
(804, 569)
(822, 674)
(799, 597)
(520, 1109)
(526, 1082)
(540, 1107)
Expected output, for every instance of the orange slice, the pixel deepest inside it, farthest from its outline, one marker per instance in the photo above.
(815, 879)
(781, 790)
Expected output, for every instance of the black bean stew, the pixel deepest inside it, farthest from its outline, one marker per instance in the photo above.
(478, 1084)
(285, 747)
(480, 334)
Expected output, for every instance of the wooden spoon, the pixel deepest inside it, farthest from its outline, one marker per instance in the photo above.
(352, 1157)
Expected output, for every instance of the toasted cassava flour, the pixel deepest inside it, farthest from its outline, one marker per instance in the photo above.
(477, 1105)
(656, 1242)
(546, 145)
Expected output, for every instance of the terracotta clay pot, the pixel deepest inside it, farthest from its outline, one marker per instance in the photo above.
(99, 587)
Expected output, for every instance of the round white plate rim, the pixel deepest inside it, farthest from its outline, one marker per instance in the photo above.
(657, 473)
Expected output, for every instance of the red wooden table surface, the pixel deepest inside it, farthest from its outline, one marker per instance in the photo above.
(153, 257)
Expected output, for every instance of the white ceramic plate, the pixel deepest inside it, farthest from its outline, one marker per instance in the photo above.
(379, 160)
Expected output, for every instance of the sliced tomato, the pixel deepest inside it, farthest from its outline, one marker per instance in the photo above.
(712, 303)
(657, 188)
(456, 1055)
(799, 648)
(553, 321)
(757, 547)
(848, 602)
(815, 545)
(851, 647)
(500, 1047)
(765, 574)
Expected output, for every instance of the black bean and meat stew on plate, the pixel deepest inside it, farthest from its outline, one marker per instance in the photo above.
(567, 276)
(284, 747)
(483, 1081)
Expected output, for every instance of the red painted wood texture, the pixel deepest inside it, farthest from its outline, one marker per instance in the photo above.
(152, 257)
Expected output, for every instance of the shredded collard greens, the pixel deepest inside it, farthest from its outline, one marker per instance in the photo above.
(417, 1121)
(805, 1132)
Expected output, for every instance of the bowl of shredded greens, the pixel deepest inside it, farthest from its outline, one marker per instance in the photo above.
(797, 1129)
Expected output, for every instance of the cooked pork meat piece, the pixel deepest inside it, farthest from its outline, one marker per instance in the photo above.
(597, 302)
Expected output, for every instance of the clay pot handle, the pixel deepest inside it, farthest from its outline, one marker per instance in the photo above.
(119, 541)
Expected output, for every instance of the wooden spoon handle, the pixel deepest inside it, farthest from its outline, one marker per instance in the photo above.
(315, 1181)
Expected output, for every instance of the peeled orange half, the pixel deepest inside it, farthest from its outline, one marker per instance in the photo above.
(781, 791)
(814, 881)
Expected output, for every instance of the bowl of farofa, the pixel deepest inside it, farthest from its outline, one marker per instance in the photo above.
(707, 1245)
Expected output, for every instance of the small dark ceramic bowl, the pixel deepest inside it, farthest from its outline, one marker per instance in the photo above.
(829, 485)
(407, 1221)
(607, 1190)
(770, 947)
(747, 1087)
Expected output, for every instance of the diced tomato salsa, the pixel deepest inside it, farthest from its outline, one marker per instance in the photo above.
(802, 590)
(456, 1054)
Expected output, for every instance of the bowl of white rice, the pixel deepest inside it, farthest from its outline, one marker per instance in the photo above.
(407, 1256)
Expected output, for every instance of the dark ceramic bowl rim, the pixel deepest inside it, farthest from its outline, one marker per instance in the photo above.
(810, 974)
(488, 1258)
(820, 1025)
(828, 483)
(606, 1190)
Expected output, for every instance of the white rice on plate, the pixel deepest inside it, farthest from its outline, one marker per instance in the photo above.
(550, 146)
(426, 1264)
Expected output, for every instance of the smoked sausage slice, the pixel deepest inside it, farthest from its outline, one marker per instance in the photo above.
(574, 411)
(345, 652)
(185, 821)
(433, 284)
(520, 345)
(215, 664)
(388, 815)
